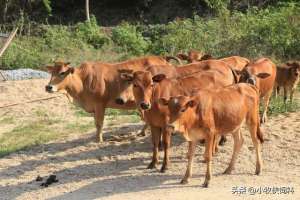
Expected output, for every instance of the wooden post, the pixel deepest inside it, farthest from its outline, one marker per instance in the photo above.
(8, 41)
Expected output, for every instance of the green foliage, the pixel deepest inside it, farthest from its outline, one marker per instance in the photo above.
(84, 42)
(272, 32)
(90, 33)
(269, 32)
(277, 106)
(130, 39)
(47, 4)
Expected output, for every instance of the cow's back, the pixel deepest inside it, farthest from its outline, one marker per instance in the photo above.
(236, 62)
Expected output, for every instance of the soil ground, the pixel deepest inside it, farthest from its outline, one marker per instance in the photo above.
(116, 169)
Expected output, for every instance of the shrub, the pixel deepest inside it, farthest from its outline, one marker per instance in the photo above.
(90, 33)
(129, 39)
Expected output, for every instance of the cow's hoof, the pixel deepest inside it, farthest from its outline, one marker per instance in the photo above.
(163, 169)
(257, 172)
(99, 140)
(184, 181)
(152, 165)
(227, 171)
(205, 185)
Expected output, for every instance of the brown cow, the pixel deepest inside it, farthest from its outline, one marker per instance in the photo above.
(94, 85)
(147, 89)
(261, 73)
(236, 62)
(209, 114)
(287, 77)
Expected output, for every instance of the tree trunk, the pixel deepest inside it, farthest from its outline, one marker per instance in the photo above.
(5, 11)
(87, 10)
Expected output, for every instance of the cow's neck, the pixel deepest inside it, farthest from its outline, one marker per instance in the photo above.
(75, 86)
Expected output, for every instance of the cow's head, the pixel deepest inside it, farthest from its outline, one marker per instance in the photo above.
(142, 83)
(294, 68)
(180, 109)
(247, 77)
(194, 56)
(125, 86)
(60, 73)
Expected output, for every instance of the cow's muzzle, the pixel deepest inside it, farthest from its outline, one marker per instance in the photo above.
(145, 106)
(120, 101)
(49, 88)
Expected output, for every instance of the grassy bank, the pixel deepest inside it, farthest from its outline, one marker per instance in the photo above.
(271, 32)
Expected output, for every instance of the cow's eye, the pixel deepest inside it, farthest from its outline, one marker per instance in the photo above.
(135, 85)
(183, 110)
(62, 74)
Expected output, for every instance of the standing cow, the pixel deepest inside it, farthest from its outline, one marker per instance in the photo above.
(94, 85)
(212, 113)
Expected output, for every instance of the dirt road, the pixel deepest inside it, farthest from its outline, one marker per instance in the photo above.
(117, 169)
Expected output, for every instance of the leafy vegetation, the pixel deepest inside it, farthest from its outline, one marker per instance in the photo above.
(271, 32)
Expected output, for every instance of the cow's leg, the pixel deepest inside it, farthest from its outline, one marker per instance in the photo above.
(155, 133)
(276, 91)
(215, 146)
(292, 94)
(285, 89)
(143, 131)
(238, 141)
(266, 101)
(190, 156)
(166, 134)
(223, 140)
(255, 131)
(208, 146)
(99, 118)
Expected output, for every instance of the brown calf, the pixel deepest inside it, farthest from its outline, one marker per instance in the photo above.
(262, 74)
(287, 77)
(147, 89)
(209, 114)
(94, 85)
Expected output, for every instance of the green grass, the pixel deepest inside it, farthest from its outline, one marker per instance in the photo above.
(277, 106)
(38, 132)
(7, 120)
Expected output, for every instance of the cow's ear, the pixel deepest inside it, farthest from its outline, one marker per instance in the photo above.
(191, 103)
(158, 77)
(49, 69)
(263, 75)
(163, 101)
(182, 56)
(126, 76)
(206, 57)
(71, 70)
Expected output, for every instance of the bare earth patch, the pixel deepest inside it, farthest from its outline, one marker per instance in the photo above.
(116, 169)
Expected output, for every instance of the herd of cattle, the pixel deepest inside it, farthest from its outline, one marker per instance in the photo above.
(204, 99)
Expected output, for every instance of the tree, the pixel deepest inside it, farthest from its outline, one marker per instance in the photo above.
(87, 10)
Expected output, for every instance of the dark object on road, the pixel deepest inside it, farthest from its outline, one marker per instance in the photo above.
(51, 179)
(39, 178)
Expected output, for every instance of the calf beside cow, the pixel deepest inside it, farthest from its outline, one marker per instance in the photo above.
(204, 99)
